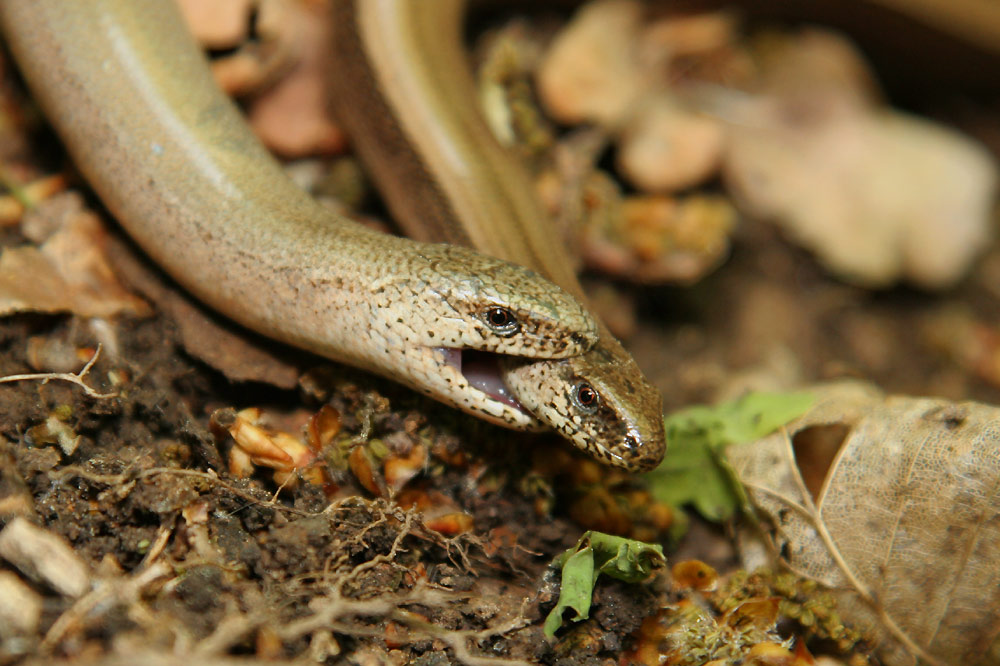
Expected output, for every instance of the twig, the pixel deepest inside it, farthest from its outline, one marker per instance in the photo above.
(124, 590)
(232, 629)
(73, 378)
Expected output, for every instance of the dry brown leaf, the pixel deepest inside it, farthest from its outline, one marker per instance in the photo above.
(239, 355)
(666, 147)
(879, 196)
(592, 70)
(68, 272)
(905, 525)
(29, 283)
(291, 117)
(614, 54)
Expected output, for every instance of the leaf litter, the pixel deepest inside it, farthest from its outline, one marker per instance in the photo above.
(905, 526)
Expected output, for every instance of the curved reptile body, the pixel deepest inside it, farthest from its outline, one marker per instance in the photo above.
(132, 97)
(403, 90)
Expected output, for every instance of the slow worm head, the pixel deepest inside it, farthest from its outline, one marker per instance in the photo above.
(598, 400)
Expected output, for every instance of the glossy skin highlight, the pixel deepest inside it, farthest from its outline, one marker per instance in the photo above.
(132, 97)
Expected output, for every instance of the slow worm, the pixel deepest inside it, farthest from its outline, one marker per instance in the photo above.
(130, 94)
(402, 88)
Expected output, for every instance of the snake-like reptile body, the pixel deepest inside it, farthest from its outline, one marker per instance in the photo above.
(131, 96)
(403, 90)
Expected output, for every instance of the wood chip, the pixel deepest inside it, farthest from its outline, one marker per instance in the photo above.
(20, 607)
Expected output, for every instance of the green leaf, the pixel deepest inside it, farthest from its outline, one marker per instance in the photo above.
(597, 553)
(625, 559)
(695, 471)
(576, 590)
(758, 414)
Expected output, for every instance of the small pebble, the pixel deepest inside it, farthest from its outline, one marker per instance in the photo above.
(44, 557)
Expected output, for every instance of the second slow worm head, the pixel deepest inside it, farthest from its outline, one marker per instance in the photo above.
(598, 400)
(402, 87)
(132, 97)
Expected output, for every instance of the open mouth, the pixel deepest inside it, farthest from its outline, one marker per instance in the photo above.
(482, 370)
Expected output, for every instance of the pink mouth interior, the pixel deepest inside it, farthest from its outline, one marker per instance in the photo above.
(482, 370)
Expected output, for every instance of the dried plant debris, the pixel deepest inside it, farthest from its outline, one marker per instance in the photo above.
(878, 196)
(155, 511)
(214, 340)
(272, 52)
(891, 503)
(599, 498)
(599, 71)
(228, 570)
(292, 116)
(651, 239)
(44, 557)
(794, 122)
(181, 558)
(66, 270)
(760, 619)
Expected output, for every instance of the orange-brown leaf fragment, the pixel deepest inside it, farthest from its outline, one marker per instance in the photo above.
(758, 613)
(323, 427)
(451, 524)
(363, 467)
(695, 575)
(398, 470)
(769, 654)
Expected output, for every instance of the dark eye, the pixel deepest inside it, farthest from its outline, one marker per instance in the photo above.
(586, 398)
(502, 321)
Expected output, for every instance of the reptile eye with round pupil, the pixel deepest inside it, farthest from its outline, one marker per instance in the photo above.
(586, 396)
(499, 317)
(501, 320)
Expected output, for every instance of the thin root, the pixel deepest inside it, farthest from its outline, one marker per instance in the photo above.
(73, 378)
